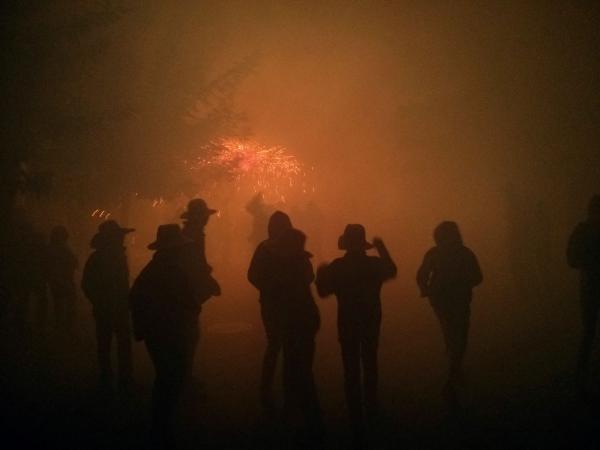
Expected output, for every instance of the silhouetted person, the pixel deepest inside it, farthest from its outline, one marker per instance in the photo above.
(195, 219)
(105, 283)
(291, 274)
(583, 253)
(270, 306)
(165, 304)
(62, 264)
(30, 277)
(447, 276)
(356, 280)
(259, 211)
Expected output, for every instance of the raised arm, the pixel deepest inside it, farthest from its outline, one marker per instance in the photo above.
(424, 274)
(388, 266)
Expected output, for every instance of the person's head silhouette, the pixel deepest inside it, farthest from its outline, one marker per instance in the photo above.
(447, 235)
(278, 223)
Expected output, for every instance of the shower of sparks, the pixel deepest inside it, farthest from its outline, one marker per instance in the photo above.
(271, 170)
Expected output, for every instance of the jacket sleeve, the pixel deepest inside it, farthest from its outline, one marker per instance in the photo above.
(424, 274)
(388, 269)
(475, 275)
(89, 279)
(257, 268)
(141, 305)
(324, 281)
(576, 248)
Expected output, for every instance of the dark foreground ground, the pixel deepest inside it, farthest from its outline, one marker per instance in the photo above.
(518, 395)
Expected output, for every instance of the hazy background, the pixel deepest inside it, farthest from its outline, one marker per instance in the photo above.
(410, 113)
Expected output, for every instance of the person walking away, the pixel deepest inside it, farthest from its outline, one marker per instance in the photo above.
(356, 279)
(447, 276)
(105, 283)
(195, 219)
(292, 274)
(165, 305)
(583, 254)
(270, 308)
(62, 264)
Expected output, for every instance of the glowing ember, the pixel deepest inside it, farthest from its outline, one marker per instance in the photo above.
(268, 169)
(101, 214)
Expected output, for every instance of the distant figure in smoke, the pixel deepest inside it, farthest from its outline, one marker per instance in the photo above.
(105, 283)
(62, 264)
(583, 253)
(259, 211)
(30, 276)
(195, 219)
(290, 275)
(270, 306)
(165, 303)
(447, 276)
(356, 280)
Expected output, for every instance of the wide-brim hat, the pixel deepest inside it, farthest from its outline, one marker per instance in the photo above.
(109, 230)
(197, 208)
(354, 237)
(169, 236)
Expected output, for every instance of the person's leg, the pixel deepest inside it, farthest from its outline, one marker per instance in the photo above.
(123, 332)
(369, 348)
(459, 325)
(104, 331)
(70, 307)
(350, 347)
(589, 319)
(162, 404)
(271, 355)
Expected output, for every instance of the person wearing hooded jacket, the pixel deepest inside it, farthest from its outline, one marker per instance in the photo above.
(270, 308)
(583, 254)
(356, 280)
(105, 282)
(291, 275)
(447, 276)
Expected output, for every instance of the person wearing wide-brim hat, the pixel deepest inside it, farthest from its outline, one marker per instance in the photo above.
(105, 283)
(195, 219)
(165, 308)
(109, 232)
(196, 209)
(356, 279)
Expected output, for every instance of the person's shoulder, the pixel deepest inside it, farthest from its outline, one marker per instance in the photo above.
(581, 228)
(468, 250)
(432, 252)
(337, 262)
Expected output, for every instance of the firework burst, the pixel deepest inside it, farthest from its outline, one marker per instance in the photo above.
(271, 170)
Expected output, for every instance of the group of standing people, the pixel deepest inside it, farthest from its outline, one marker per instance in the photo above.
(282, 272)
(166, 299)
(42, 275)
